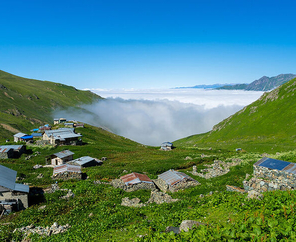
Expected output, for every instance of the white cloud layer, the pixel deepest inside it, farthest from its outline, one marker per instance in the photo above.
(151, 117)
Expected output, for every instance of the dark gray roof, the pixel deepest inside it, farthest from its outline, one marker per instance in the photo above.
(6, 148)
(63, 154)
(277, 165)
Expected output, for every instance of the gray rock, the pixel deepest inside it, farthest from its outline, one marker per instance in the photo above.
(171, 228)
(188, 224)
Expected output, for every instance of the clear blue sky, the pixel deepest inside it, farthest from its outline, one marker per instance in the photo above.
(147, 43)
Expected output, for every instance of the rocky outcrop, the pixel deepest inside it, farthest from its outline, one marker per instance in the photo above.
(155, 197)
(218, 168)
(54, 229)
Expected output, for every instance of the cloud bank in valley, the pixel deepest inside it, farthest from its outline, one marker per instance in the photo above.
(154, 116)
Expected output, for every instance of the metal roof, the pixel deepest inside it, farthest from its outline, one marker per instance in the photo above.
(167, 144)
(6, 148)
(66, 168)
(84, 160)
(36, 134)
(172, 177)
(62, 133)
(19, 135)
(27, 137)
(277, 165)
(63, 154)
(7, 180)
(134, 178)
(21, 188)
(7, 177)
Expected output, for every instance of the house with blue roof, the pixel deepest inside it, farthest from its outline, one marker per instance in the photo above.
(272, 174)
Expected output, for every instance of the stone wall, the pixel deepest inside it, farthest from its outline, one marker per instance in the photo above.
(118, 183)
(21, 196)
(265, 179)
(163, 186)
(67, 175)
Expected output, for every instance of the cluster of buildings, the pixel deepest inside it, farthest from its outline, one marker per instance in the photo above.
(170, 180)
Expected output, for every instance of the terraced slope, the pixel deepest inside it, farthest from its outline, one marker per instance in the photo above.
(268, 124)
(26, 103)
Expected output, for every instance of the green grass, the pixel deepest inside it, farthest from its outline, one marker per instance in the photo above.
(267, 125)
(27, 103)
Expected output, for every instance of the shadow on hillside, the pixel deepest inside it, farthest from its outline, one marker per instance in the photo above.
(36, 196)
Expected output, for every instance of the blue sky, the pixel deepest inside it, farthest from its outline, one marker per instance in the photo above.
(147, 44)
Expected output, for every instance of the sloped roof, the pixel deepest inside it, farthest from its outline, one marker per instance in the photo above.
(6, 148)
(167, 144)
(7, 180)
(172, 177)
(63, 154)
(84, 160)
(19, 135)
(62, 133)
(277, 165)
(134, 178)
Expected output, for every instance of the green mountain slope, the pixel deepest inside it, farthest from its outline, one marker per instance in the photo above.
(27, 103)
(268, 124)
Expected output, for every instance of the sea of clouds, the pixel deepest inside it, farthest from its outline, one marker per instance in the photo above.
(153, 116)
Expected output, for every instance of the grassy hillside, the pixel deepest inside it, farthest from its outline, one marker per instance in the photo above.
(267, 125)
(95, 212)
(27, 103)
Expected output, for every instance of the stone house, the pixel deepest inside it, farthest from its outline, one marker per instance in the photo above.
(11, 191)
(59, 120)
(67, 171)
(62, 136)
(173, 181)
(166, 146)
(271, 174)
(86, 161)
(11, 151)
(133, 182)
(61, 157)
(22, 137)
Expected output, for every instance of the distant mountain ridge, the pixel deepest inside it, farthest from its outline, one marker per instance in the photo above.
(268, 122)
(263, 84)
(204, 86)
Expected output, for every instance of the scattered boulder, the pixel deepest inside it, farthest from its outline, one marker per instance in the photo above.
(69, 195)
(40, 176)
(54, 229)
(135, 202)
(188, 224)
(171, 228)
(254, 195)
(37, 166)
(160, 197)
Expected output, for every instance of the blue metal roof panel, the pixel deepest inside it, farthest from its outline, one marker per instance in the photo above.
(7, 177)
(272, 163)
(21, 188)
